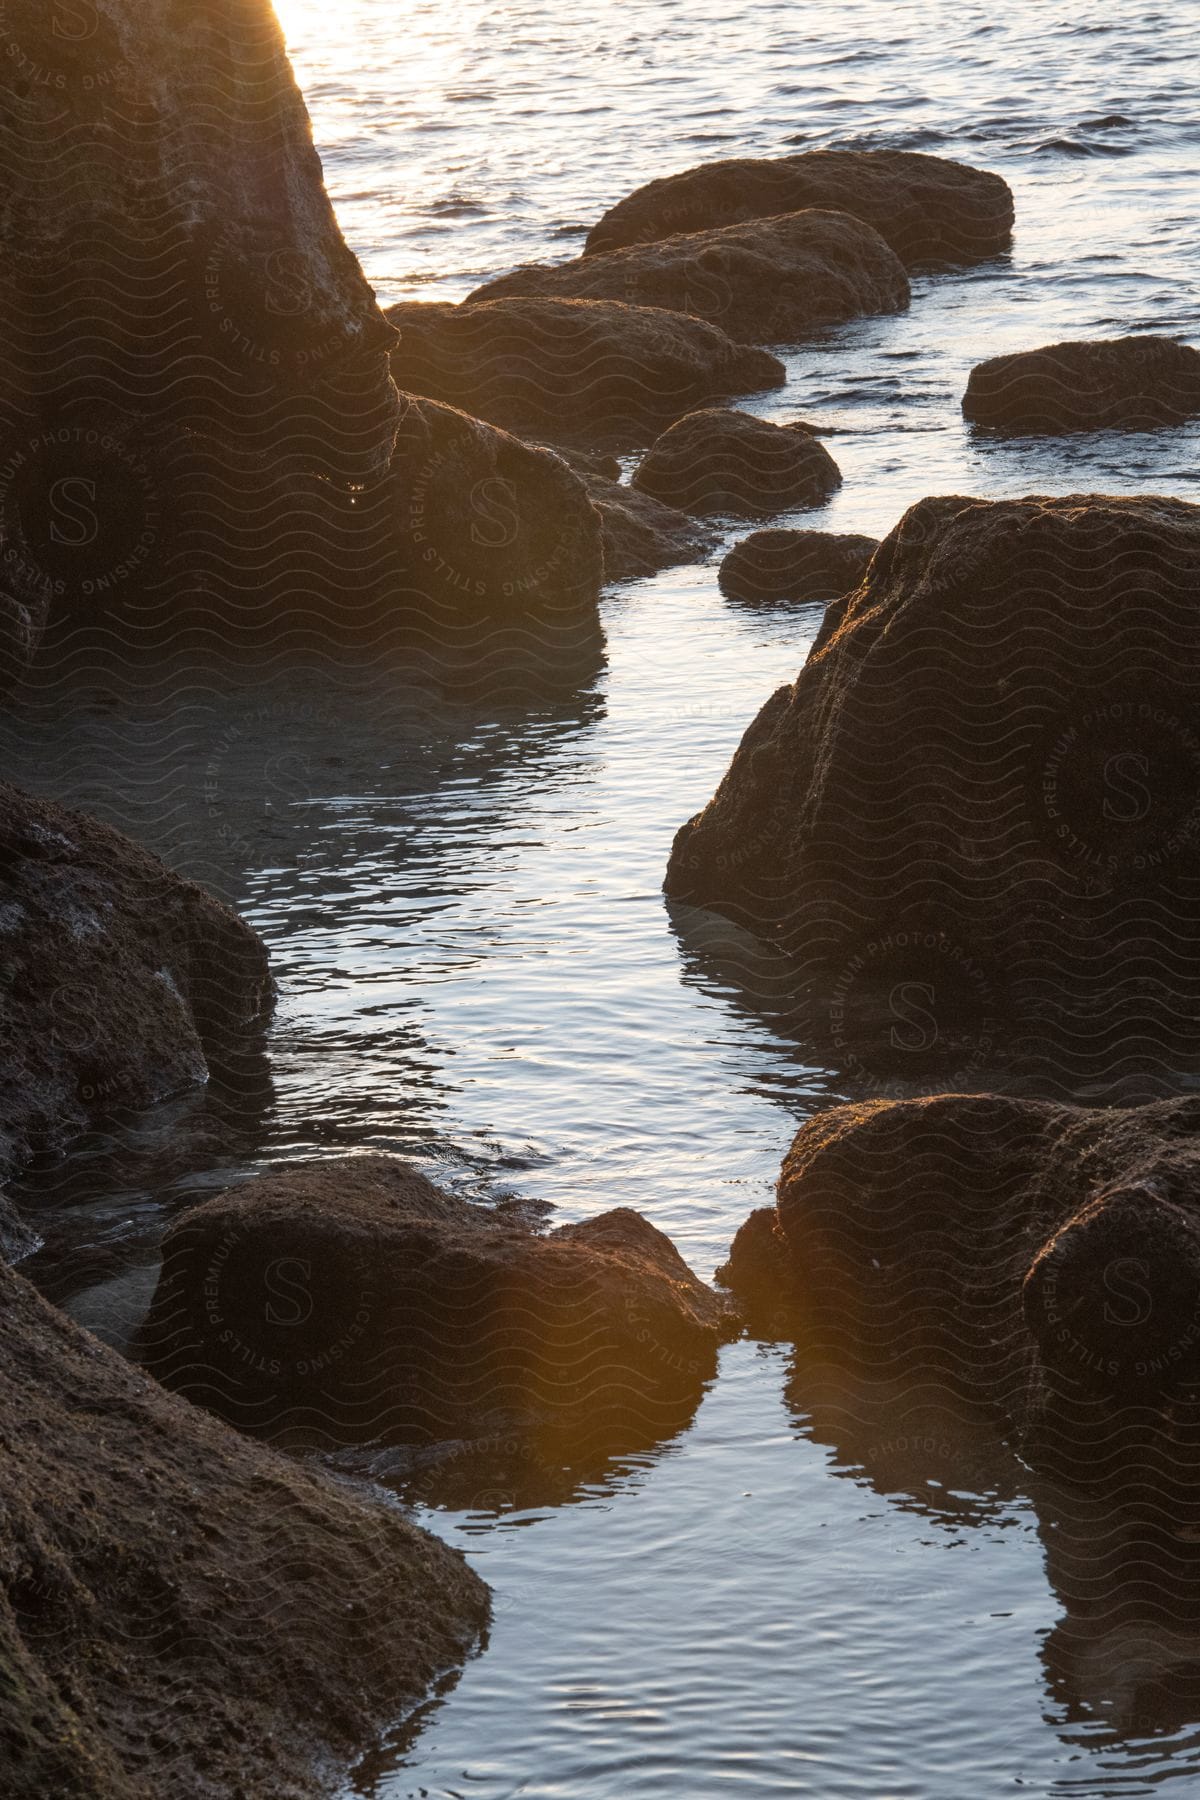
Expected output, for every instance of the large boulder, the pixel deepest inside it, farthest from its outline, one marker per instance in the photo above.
(1132, 383)
(353, 1300)
(594, 371)
(720, 461)
(185, 1615)
(641, 535)
(783, 564)
(120, 980)
(1044, 1257)
(928, 209)
(765, 281)
(981, 796)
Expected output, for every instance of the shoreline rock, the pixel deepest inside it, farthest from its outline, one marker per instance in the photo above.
(596, 372)
(352, 1301)
(720, 461)
(1126, 384)
(763, 281)
(802, 566)
(185, 1614)
(928, 209)
(641, 535)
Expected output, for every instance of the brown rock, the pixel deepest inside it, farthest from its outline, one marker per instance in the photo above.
(980, 796)
(928, 209)
(596, 371)
(353, 1300)
(778, 565)
(641, 535)
(765, 281)
(716, 461)
(1132, 384)
(185, 1615)
(120, 978)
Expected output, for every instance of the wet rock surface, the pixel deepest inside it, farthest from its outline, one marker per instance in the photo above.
(930, 210)
(594, 371)
(763, 281)
(1041, 1257)
(184, 1613)
(720, 461)
(120, 979)
(354, 1301)
(641, 535)
(940, 809)
(1131, 384)
(770, 566)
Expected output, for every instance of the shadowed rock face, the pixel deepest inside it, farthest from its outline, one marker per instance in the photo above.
(928, 209)
(185, 1615)
(641, 535)
(120, 979)
(981, 793)
(770, 566)
(765, 281)
(593, 371)
(1130, 384)
(1045, 1258)
(354, 1301)
(716, 461)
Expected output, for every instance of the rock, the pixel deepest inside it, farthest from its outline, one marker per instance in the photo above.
(1044, 1257)
(981, 797)
(393, 1310)
(24, 605)
(795, 565)
(1132, 384)
(716, 461)
(928, 209)
(641, 535)
(184, 1614)
(120, 979)
(765, 281)
(17, 1239)
(596, 371)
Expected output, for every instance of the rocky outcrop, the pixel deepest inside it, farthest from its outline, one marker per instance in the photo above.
(770, 566)
(928, 209)
(353, 1300)
(1131, 384)
(594, 371)
(1043, 1257)
(718, 461)
(120, 979)
(185, 1615)
(641, 535)
(765, 281)
(979, 799)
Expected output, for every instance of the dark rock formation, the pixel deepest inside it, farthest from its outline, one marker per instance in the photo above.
(717, 461)
(641, 535)
(766, 281)
(1043, 1257)
(928, 209)
(183, 1614)
(982, 793)
(1132, 383)
(24, 605)
(594, 371)
(769, 566)
(353, 1301)
(119, 978)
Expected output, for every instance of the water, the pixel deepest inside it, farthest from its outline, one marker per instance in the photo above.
(477, 968)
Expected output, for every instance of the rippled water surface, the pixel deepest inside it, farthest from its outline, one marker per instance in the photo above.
(477, 967)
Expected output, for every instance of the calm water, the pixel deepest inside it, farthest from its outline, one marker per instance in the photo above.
(477, 968)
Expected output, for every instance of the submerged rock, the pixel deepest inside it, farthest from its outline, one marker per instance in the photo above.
(120, 978)
(184, 1614)
(641, 535)
(1043, 1257)
(928, 209)
(982, 793)
(777, 565)
(765, 281)
(1131, 384)
(597, 371)
(718, 461)
(352, 1301)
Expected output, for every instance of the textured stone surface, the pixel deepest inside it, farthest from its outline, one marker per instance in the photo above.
(1133, 383)
(720, 461)
(795, 565)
